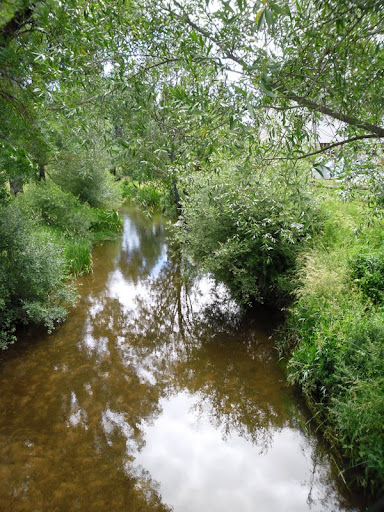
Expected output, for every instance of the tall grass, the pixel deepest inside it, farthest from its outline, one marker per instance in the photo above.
(152, 195)
(337, 324)
(78, 254)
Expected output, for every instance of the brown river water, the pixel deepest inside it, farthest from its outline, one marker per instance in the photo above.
(156, 395)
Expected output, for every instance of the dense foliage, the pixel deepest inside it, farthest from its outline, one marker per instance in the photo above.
(32, 274)
(336, 327)
(46, 237)
(248, 229)
(205, 109)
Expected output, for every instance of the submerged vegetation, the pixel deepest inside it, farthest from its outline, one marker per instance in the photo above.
(211, 112)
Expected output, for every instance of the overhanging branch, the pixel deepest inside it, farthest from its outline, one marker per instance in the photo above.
(376, 131)
(337, 144)
(13, 26)
(325, 149)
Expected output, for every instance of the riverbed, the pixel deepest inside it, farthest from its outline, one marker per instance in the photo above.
(157, 394)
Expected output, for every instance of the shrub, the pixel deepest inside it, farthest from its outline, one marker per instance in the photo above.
(367, 271)
(247, 232)
(150, 195)
(46, 235)
(33, 275)
(105, 224)
(85, 176)
(146, 194)
(56, 208)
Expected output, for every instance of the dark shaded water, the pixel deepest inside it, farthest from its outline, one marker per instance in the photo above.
(155, 395)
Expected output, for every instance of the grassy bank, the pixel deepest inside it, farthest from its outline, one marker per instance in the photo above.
(336, 334)
(318, 251)
(151, 195)
(46, 239)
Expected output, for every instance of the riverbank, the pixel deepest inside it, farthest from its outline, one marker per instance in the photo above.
(46, 240)
(335, 340)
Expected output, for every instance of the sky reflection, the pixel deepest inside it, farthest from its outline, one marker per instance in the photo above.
(156, 393)
(199, 469)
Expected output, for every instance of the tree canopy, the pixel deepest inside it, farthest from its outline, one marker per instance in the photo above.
(221, 103)
(277, 67)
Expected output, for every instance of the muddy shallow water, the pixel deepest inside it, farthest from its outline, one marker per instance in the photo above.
(156, 395)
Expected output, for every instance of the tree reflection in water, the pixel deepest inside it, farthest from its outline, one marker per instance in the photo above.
(143, 341)
(171, 335)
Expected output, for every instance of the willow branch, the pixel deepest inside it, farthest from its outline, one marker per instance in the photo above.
(377, 131)
(327, 148)
(13, 26)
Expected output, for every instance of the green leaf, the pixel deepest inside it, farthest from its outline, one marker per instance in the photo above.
(266, 89)
(228, 6)
(260, 18)
(240, 91)
(250, 110)
(278, 9)
(124, 144)
(269, 18)
(241, 4)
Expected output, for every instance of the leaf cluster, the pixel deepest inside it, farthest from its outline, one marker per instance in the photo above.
(248, 231)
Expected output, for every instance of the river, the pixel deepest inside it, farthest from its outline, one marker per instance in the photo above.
(156, 395)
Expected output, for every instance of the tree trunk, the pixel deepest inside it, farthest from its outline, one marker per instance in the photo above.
(16, 186)
(176, 197)
(42, 175)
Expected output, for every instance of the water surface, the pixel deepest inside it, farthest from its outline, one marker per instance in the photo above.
(156, 395)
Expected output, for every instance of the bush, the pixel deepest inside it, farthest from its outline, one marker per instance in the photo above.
(84, 175)
(367, 271)
(56, 208)
(46, 236)
(146, 194)
(105, 224)
(33, 275)
(247, 232)
(151, 195)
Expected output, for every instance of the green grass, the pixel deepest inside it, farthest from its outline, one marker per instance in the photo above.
(152, 195)
(78, 254)
(336, 334)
